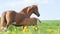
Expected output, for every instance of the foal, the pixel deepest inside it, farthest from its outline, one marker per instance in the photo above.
(29, 22)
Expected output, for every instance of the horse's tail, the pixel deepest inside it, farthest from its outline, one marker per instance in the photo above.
(3, 19)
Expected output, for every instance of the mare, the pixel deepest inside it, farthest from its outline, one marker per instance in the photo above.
(11, 16)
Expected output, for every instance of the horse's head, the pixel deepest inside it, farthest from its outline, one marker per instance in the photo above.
(34, 9)
(29, 10)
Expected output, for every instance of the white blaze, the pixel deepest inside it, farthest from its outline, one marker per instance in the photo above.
(14, 23)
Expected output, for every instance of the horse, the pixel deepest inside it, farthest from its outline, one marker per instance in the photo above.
(28, 22)
(10, 16)
(29, 12)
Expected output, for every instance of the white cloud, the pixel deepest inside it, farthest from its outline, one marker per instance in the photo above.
(17, 4)
(31, 2)
(13, 3)
(20, 3)
(44, 1)
(47, 1)
(51, 1)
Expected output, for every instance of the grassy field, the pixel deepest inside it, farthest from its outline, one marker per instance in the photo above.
(46, 27)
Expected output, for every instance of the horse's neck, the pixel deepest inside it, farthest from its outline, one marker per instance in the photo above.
(21, 12)
(29, 14)
(24, 11)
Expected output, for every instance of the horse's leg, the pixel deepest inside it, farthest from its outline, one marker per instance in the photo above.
(3, 25)
(36, 28)
(25, 30)
(3, 20)
(8, 23)
(8, 19)
(23, 27)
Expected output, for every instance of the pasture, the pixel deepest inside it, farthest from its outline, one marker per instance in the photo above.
(46, 27)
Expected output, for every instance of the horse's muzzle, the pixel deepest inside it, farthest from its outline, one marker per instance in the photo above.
(38, 15)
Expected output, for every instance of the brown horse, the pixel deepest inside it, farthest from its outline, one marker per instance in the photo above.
(31, 9)
(29, 12)
(31, 22)
(28, 22)
(12, 16)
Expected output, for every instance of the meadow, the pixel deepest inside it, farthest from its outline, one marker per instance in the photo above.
(45, 27)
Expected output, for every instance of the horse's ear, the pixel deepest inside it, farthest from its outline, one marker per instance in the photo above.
(34, 6)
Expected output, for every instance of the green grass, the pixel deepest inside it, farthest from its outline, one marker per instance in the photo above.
(46, 27)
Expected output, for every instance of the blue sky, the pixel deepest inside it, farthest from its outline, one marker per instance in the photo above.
(48, 9)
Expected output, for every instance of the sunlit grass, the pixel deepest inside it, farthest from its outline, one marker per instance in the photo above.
(49, 30)
(46, 27)
(5, 32)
